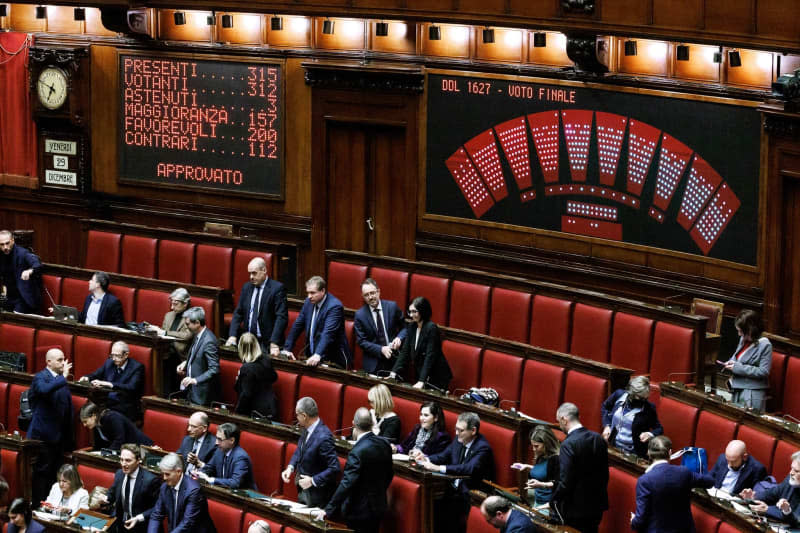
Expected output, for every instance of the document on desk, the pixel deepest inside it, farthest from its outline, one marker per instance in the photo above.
(721, 494)
(400, 457)
(739, 508)
(306, 510)
(286, 503)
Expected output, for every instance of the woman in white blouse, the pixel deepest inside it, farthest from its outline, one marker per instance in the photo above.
(68, 492)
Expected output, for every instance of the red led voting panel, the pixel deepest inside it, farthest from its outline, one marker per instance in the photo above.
(513, 138)
(671, 165)
(703, 181)
(714, 219)
(577, 132)
(610, 133)
(642, 140)
(483, 151)
(469, 182)
(544, 128)
(591, 228)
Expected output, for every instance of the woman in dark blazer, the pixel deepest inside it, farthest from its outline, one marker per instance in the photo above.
(424, 344)
(111, 429)
(629, 419)
(430, 435)
(19, 516)
(255, 379)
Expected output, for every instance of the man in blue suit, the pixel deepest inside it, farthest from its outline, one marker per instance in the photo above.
(199, 445)
(51, 404)
(230, 466)
(125, 378)
(361, 495)
(133, 493)
(379, 328)
(663, 492)
(322, 320)
(101, 308)
(19, 272)
(314, 460)
(201, 368)
(261, 309)
(498, 512)
(469, 455)
(736, 470)
(180, 501)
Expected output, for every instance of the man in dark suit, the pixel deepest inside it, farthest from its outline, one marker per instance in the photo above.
(322, 320)
(101, 308)
(180, 501)
(780, 502)
(51, 404)
(361, 495)
(663, 492)
(230, 466)
(498, 512)
(580, 495)
(261, 309)
(198, 446)
(134, 492)
(202, 366)
(469, 455)
(19, 273)
(125, 378)
(736, 470)
(314, 460)
(380, 328)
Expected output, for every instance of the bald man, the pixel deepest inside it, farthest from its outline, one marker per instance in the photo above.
(736, 470)
(51, 404)
(20, 274)
(498, 512)
(261, 309)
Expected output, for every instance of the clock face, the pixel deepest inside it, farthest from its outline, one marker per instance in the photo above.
(52, 87)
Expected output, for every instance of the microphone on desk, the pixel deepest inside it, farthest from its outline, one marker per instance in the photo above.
(512, 410)
(790, 417)
(49, 296)
(342, 430)
(221, 405)
(669, 376)
(176, 393)
(669, 298)
(434, 387)
(255, 415)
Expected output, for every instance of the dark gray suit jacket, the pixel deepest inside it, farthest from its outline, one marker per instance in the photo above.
(203, 360)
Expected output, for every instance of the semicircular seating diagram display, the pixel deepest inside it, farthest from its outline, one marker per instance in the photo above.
(706, 207)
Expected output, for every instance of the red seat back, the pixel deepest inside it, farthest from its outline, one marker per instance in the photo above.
(144, 355)
(10, 468)
(713, 433)
(476, 523)
(19, 339)
(542, 389)
(591, 332)
(328, 396)
(289, 490)
(344, 282)
(354, 397)
(550, 323)
(224, 516)
(465, 362)
(139, 256)
(151, 306)
(213, 266)
(90, 354)
(511, 313)
(703, 521)
(176, 261)
(82, 434)
(408, 412)
(405, 507)
(49, 338)
(126, 296)
(266, 454)
(588, 393)
(350, 335)
(227, 376)
(504, 447)
(393, 284)
(759, 445)
(724, 527)
(74, 292)
(781, 461)
(53, 286)
(469, 307)
(673, 352)
(240, 275)
(436, 290)
(301, 339)
(630, 342)
(4, 403)
(679, 421)
(14, 392)
(102, 251)
(791, 394)
(166, 429)
(502, 372)
(777, 374)
(621, 501)
(95, 477)
(249, 518)
(285, 389)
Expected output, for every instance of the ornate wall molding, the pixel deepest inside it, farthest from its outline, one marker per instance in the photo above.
(364, 77)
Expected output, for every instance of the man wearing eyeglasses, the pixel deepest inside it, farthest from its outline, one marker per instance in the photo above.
(230, 465)
(379, 328)
(198, 445)
(125, 378)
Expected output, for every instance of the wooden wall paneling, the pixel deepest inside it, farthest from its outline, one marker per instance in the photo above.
(248, 28)
(482, 6)
(637, 12)
(103, 124)
(621, 254)
(700, 65)
(348, 34)
(508, 47)
(195, 29)
(297, 169)
(773, 19)
(652, 58)
(455, 41)
(730, 16)
(756, 69)
(94, 26)
(542, 9)
(346, 150)
(678, 13)
(388, 185)
(296, 32)
(555, 53)
(402, 38)
(61, 19)
(791, 252)
(22, 17)
(431, 5)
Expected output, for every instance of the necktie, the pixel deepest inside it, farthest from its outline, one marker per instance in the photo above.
(225, 466)
(313, 329)
(381, 330)
(174, 510)
(128, 510)
(254, 311)
(119, 371)
(463, 454)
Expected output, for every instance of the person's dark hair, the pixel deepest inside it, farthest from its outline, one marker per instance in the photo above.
(133, 448)
(4, 488)
(102, 279)
(318, 282)
(90, 409)
(472, 420)
(438, 415)
(20, 506)
(70, 473)
(230, 429)
(370, 281)
(423, 307)
(750, 323)
(545, 435)
(659, 448)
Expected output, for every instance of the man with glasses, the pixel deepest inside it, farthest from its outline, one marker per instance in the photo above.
(230, 466)
(314, 459)
(198, 446)
(469, 455)
(780, 502)
(134, 492)
(125, 378)
(379, 328)
(175, 326)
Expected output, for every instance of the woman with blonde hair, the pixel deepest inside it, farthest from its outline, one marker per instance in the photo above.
(255, 379)
(385, 422)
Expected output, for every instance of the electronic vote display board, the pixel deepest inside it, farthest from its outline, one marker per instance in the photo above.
(201, 124)
(656, 169)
